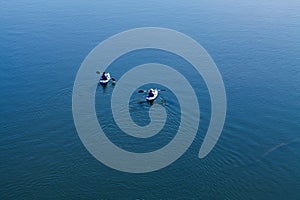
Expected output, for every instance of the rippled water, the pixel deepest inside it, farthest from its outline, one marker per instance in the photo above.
(256, 46)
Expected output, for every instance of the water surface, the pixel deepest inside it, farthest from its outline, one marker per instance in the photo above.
(256, 46)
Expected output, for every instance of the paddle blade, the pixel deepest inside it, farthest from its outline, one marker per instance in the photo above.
(97, 72)
(141, 91)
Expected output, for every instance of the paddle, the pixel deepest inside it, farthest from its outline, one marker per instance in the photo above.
(142, 91)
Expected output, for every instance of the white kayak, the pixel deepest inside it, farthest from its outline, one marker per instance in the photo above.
(105, 81)
(153, 95)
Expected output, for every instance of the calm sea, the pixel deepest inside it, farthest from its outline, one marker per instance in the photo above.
(256, 46)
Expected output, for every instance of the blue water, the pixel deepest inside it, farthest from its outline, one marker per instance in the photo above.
(256, 46)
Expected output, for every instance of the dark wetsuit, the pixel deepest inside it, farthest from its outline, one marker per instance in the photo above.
(150, 94)
(104, 77)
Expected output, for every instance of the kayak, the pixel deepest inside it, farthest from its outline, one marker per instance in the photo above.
(105, 81)
(152, 97)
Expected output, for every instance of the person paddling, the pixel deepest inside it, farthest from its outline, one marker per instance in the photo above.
(150, 93)
(104, 77)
